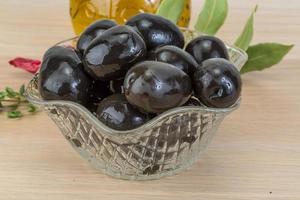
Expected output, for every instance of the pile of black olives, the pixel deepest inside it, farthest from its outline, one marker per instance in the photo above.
(127, 74)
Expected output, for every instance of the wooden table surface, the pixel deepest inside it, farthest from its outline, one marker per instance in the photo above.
(255, 155)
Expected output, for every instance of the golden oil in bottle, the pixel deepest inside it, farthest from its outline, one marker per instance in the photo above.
(85, 12)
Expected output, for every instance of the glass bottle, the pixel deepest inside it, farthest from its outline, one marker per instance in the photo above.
(84, 12)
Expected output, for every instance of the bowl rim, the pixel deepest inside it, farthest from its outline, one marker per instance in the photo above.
(100, 125)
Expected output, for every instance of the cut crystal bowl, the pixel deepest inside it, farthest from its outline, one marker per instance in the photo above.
(164, 146)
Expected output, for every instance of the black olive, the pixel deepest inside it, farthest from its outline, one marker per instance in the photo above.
(62, 76)
(155, 87)
(116, 86)
(110, 55)
(206, 47)
(118, 114)
(92, 31)
(217, 83)
(175, 56)
(193, 101)
(157, 30)
(97, 92)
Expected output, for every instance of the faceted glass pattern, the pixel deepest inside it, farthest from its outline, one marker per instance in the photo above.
(169, 143)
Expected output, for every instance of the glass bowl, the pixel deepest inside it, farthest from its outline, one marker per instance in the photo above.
(164, 146)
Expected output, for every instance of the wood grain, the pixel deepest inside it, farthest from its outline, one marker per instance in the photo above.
(256, 154)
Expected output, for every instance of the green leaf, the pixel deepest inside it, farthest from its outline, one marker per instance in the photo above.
(22, 90)
(10, 92)
(171, 9)
(246, 36)
(2, 95)
(13, 103)
(262, 56)
(32, 108)
(14, 114)
(212, 16)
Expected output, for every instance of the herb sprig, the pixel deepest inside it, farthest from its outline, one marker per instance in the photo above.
(15, 104)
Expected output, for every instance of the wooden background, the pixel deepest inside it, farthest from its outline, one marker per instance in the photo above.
(256, 154)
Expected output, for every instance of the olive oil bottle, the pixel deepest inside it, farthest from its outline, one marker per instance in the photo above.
(85, 12)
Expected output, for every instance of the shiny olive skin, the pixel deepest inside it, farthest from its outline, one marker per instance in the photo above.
(155, 87)
(174, 56)
(92, 31)
(118, 114)
(62, 76)
(116, 86)
(206, 47)
(193, 101)
(217, 83)
(157, 30)
(110, 55)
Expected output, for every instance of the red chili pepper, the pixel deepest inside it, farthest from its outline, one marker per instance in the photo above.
(27, 64)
